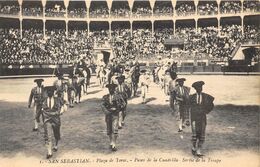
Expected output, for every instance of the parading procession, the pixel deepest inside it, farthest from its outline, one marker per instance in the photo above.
(124, 81)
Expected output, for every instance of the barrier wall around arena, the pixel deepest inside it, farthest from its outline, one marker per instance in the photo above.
(44, 70)
(66, 69)
(37, 70)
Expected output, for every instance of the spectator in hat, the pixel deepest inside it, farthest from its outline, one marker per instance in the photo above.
(37, 94)
(122, 89)
(111, 105)
(180, 95)
(52, 109)
(144, 84)
(200, 105)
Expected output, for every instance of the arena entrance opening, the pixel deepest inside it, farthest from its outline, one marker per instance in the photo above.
(104, 55)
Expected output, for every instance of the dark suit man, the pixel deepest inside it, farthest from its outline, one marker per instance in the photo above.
(111, 105)
(52, 109)
(180, 95)
(37, 94)
(200, 105)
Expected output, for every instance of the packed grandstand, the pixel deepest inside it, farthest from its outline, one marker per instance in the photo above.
(58, 32)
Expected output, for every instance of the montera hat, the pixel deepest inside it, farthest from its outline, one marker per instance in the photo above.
(180, 79)
(198, 84)
(39, 80)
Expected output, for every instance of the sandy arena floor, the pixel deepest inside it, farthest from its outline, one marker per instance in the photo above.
(150, 131)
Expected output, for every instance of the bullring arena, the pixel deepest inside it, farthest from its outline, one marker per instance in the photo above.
(41, 38)
(150, 130)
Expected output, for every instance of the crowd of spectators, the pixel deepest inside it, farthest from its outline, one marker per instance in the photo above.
(121, 44)
(185, 9)
(251, 6)
(163, 8)
(10, 47)
(142, 11)
(208, 8)
(36, 11)
(34, 49)
(233, 31)
(220, 46)
(77, 12)
(120, 12)
(9, 9)
(208, 42)
(163, 11)
(191, 46)
(55, 11)
(100, 12)
(230, 7)
(100, 38)
(142, 43)
(28, 50)
(62, 50)
(251, 33)
(56, 48)
(160, 35)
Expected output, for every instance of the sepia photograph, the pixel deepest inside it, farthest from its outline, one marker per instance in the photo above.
(129, 83)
